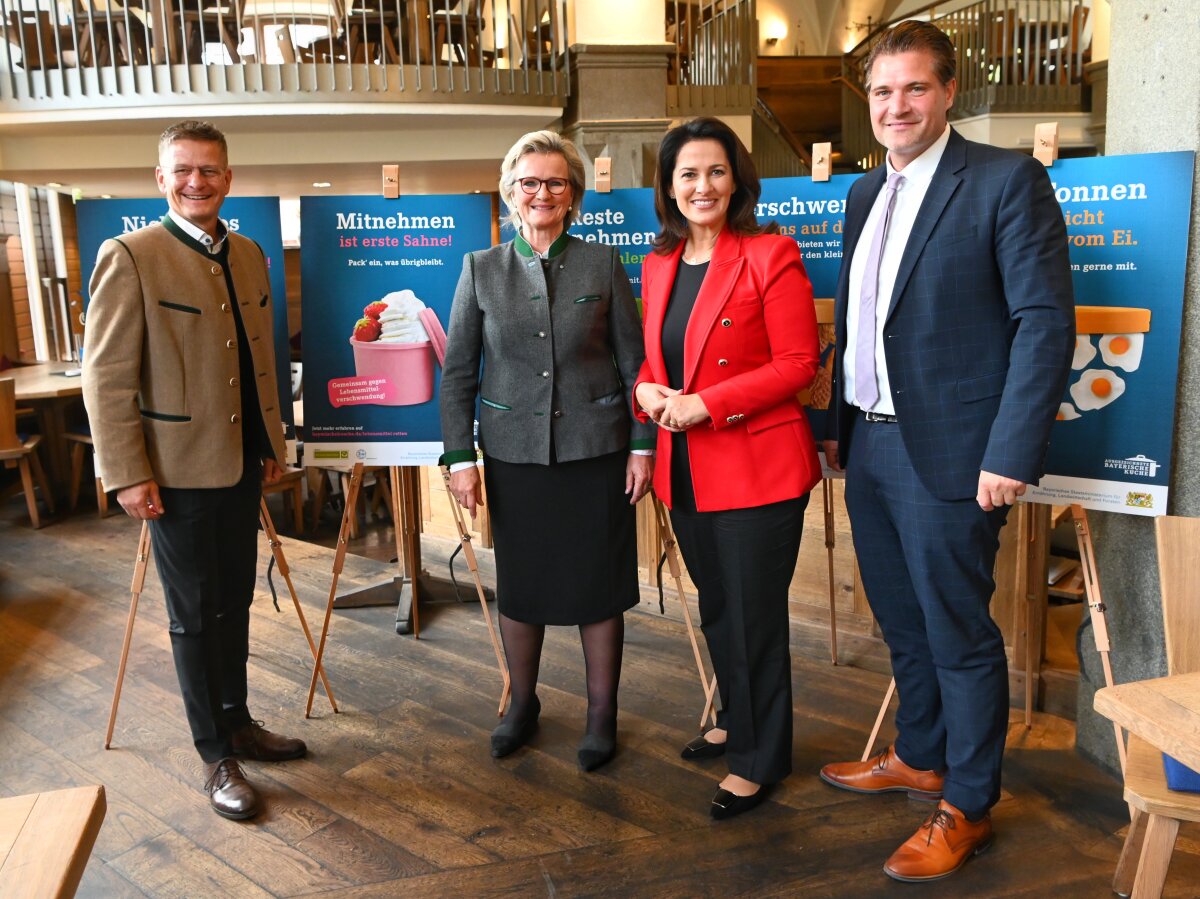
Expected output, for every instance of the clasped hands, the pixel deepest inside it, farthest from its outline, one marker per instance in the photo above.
(671, 409)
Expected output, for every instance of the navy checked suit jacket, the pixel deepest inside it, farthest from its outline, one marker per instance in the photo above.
(981, 327)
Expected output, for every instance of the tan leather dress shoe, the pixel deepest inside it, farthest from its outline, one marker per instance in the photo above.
(256, 742)
(228, 792)
(940, 846)
(885, 773)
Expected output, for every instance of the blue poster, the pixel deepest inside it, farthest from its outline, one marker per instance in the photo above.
(1127, 220)
(255, 217)
(624, 219)
(377, 280)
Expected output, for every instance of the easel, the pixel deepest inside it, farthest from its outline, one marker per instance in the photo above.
(666, 539)
(413, 585)
(141, 561)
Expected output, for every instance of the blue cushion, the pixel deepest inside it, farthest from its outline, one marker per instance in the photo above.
(1180, 776)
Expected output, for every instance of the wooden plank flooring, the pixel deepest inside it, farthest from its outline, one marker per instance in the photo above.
(399, 795)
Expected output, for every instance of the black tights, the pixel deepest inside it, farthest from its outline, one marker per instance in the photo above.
(603, 643)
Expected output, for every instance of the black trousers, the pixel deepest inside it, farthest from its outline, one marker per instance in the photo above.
(206, 551)
(741, 562)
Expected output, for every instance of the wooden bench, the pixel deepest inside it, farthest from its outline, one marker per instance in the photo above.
(46, 840)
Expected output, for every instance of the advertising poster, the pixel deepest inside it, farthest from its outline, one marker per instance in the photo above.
(813, 214)
(1127, 220)
(254, 217)
(377, 280)
(624, 219)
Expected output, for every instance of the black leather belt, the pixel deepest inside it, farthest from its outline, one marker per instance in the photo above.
(878, 416)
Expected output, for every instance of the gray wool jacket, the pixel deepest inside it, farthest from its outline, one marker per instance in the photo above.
(552, 351)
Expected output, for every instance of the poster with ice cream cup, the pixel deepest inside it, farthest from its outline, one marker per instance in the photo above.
(377, 282)
(254, 217)
(1127, 223)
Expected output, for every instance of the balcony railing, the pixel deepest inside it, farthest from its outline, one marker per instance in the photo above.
(155, 51)
(1013, 56)
(712, 69)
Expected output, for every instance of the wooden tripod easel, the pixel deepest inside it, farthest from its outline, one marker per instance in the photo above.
(464, 535)
(141, 561)
(1096, 610)
(404, 506)
(667, 538)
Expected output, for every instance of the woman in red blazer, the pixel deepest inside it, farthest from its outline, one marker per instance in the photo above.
(731, 337)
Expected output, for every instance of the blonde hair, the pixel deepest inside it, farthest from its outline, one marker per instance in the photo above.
(543, 142)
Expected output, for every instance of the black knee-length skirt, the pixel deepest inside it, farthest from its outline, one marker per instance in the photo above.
(565, 537)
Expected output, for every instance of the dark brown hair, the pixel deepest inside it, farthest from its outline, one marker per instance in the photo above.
(920, 36)
(741, 219)
(193, 129)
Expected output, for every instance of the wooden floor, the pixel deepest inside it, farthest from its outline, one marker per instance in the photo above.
(399, 796)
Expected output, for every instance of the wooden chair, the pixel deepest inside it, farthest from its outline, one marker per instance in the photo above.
(461, 30)
(81, 445)
(32, 34)
(22, 454)
(46, 840)
(1157, 811)
(291, 485)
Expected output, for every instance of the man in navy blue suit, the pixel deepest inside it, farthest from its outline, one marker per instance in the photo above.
(955, 328)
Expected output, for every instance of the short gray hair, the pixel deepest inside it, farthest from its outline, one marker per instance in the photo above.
(195, 130)
(543, 142)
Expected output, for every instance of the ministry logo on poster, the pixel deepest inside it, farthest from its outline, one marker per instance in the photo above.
(1134, 466)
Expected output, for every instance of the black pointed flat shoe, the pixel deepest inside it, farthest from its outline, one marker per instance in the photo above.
(699, 748)
(514, 732)
(727, 805)
(595, 750)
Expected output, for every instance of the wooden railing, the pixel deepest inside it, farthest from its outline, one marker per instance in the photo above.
(712, 67)
(157, 51)
(776, 151)
(1012, 56)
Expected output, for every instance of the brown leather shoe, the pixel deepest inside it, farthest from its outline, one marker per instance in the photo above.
(228, 792)
(256, 742)
(940, 846)
(885, 773)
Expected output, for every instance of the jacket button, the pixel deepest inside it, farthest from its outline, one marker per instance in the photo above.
(722, 362)
(233, 382)
(558, 413)
(726, 322)
(541, 334)
(230, 344)
(234, 418)
(545, 374)
(216, 269)
(224, 307)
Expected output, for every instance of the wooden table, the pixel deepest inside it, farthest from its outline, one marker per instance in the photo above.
(44, 387)
(46, 840)
(1164, 712)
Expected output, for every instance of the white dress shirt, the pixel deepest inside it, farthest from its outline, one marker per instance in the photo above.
(199, 234)
(917, 176)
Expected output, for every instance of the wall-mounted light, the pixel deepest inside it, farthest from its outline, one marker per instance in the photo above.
(322, 184)
(774, 30)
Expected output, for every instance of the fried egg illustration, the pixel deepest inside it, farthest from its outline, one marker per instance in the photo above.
(1066, 412)
(1095, 389)
(1122, 350)
(1084, 352)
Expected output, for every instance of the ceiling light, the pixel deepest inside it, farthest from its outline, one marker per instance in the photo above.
(322, 184)
(105, 196)
(54, 184)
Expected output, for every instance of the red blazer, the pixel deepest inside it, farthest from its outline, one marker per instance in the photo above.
(750, 346)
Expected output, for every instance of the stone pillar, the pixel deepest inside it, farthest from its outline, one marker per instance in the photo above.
(1153, 86)
(618, 107)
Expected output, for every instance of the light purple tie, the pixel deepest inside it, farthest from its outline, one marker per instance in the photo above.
(865, 387)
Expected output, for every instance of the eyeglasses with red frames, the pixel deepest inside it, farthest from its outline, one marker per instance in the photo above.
(555, 185)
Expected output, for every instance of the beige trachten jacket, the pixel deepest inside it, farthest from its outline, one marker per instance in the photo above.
(160, 370)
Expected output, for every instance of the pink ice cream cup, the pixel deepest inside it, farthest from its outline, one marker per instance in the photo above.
(408, 368)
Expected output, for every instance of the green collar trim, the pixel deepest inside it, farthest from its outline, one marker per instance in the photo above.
(187, 240)
(556, 248)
